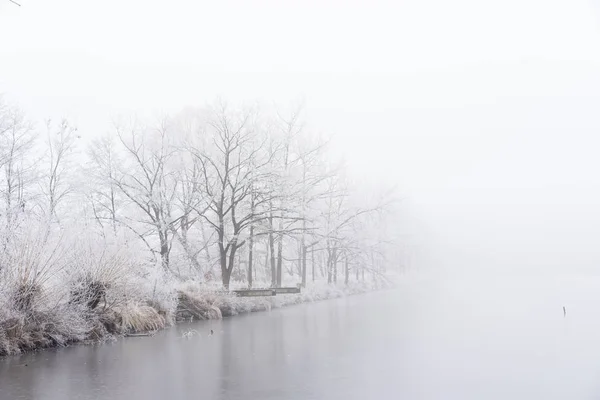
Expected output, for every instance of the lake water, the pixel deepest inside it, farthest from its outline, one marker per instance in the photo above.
(447, 339)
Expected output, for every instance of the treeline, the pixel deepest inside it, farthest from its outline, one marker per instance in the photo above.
(214, 194)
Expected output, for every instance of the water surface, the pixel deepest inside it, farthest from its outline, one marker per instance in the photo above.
(458, 339)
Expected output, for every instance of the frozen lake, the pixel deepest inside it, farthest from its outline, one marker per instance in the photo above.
(455, 339)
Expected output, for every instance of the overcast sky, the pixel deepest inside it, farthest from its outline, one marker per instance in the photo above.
(484, 113)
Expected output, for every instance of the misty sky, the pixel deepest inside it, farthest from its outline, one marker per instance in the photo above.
(484, 113)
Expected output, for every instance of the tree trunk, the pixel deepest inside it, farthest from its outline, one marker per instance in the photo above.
(113, 210)
(164, 249)
(182, 238)
(266, 257)
(225, 276)
(250, 251)
(273, 264)
(304, 264)
(334, 265)
(281, 214)
(347, 270)
(280, 261)
(313, 264)
(229, 267)
(329, 265)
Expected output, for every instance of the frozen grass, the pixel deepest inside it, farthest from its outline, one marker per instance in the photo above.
(40, 328)
(51, 296)
(199, 302)
(194, 303)
(41, 325)
(138, 318)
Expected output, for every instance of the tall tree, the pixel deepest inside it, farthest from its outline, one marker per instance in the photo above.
(17, 162)
(146, 180)
(231, 162)
(58, 176)
(103, 193)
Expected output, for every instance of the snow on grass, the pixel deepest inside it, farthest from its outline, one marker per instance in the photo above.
(52, 296)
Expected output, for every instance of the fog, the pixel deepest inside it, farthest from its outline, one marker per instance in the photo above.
(482, 115)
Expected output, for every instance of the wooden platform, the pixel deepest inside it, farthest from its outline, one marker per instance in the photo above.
(254, 292)
(287, 290)
(266, 292)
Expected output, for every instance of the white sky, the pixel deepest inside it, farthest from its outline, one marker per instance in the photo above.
(485, 113)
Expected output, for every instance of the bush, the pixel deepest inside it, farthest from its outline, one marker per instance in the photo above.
(24, 295)
(40, 329)
(88, 292)
(52, 297)
(196, 306)
(136, 318)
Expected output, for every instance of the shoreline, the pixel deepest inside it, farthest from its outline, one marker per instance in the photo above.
(66, 326)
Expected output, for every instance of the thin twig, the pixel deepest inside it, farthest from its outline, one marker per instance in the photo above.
(14, 2)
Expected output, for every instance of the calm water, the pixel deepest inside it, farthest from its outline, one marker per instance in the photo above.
(433, 340)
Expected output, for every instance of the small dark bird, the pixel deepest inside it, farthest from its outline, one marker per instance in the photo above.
(564, 311)
(211, 332)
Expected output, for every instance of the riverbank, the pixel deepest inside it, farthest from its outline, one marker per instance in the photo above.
(31, 327)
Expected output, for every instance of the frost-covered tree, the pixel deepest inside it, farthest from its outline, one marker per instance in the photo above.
(231, 160)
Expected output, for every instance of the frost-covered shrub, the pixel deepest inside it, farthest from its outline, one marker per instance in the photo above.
(135, 317)
(41, 327)
(111, 278)
(97, 273)
(158, 290)
(33, 310)
(196, 306)
(55, 291)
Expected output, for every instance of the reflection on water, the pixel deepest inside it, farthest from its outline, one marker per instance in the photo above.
(434, 340)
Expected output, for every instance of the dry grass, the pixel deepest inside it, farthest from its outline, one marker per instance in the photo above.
(93, 294)
(158, 291)
(198, 302)
(137, 318)
(40, 329)
(24, 295)
(51, 297)
(97, 275)
(20, 332)
(32, 311)
(195, 306)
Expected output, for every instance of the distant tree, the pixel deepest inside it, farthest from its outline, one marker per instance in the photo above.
(17, 161)
(57, 180)
(103, 192)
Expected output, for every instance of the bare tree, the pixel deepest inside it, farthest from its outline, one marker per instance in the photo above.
(103, 192)
(339, 224)
(231, 163)
(146, 181)
(57, 182)
(288, 210)
(189, 204)
(311, 191)
(17, 140)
